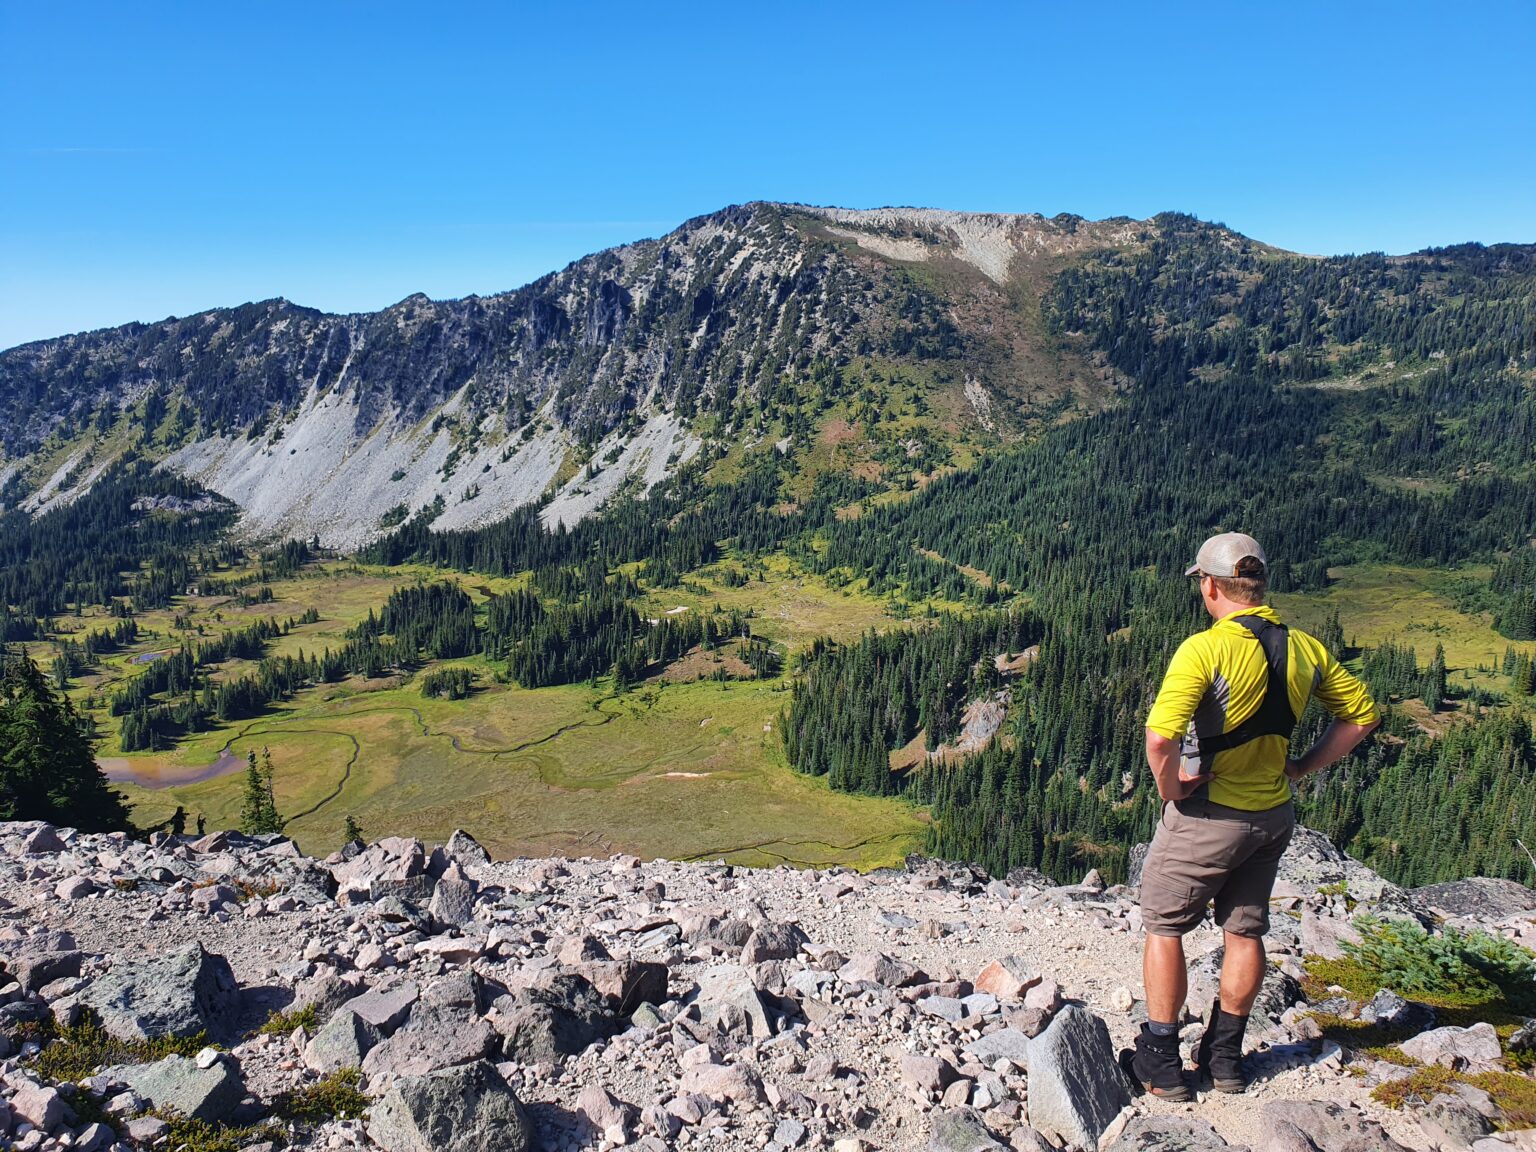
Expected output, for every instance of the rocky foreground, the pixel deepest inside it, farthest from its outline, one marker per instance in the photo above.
(414, 998)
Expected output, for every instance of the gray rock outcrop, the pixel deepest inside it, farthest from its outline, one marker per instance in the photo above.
(182, 994)
(1075, 1086)
(469, 1108)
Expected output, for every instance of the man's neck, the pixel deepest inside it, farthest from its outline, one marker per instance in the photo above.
(1220, 608)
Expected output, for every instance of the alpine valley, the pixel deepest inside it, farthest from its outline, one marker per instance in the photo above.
(796, 535)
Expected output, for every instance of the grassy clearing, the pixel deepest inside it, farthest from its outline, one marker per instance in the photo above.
(674, 770)
(687, 770)
(1415, 606)
(791, 606)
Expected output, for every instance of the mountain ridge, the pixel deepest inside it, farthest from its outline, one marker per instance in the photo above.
(759, 322)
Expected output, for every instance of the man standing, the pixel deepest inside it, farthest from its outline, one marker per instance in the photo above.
(1218, 738)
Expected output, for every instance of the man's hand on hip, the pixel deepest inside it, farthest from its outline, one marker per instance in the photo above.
(1166, 762)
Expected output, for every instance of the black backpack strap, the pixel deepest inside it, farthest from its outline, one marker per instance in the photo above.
(1274, 715)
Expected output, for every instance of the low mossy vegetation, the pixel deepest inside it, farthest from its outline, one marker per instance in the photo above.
(335, 1096)
(71, 1054)
(1466, 977)
(282, 1023)
(186, 1135)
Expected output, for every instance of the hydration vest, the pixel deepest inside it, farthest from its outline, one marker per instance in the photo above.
(1273, 716)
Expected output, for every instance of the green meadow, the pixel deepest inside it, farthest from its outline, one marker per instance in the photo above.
(681, 770)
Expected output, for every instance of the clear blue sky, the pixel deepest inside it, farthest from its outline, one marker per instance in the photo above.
(162, 158)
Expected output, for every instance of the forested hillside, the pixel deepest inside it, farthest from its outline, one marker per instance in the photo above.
(1092, 524)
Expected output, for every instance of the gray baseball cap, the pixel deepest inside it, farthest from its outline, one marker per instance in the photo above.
(1222, 555)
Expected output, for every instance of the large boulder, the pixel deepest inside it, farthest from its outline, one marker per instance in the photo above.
(469, 1108)
(182, 994)
(729, 1000)
(453, 902)
(435, 1038)
(462, 849)
(180, 1084)
(34, 967)
(780, 941)
(627, 984)
(878, 968)
(386, 1008)
(395, 866)
(1315, 1126)
(342, 1043)
(559, 1018)
(1007, 979)
(1476, 1048)
(1075, 1086)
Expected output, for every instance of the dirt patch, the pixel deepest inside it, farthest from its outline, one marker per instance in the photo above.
(699, 664)
(1010, 664)
(835, 432)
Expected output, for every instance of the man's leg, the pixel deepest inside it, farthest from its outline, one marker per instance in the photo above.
(1242, 910)
(1242, 973)
(1165, 976)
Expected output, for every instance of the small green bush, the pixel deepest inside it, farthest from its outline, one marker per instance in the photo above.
(200, 1136)
(75, 1053)
(282, 1023)
(336, 1096)
(1451, 965)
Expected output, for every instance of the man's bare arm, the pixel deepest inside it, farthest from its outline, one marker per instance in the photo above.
(1163, 758)
(1336, 742)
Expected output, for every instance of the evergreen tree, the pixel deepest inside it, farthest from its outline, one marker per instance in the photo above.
(47, 768)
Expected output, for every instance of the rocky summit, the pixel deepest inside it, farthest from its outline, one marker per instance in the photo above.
(410, 997)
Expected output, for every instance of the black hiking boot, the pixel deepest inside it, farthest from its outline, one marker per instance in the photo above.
(1156, 1066)
(1220, 1055)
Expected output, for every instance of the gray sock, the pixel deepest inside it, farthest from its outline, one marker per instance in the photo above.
(1157, 1028)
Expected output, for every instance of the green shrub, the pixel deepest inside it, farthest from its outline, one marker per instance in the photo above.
(282, 1023)
(75, 1053)
(336, 1096)
(1451, 965)
(200, 1136)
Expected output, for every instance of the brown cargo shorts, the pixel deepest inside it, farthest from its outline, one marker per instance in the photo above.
(1203, 852)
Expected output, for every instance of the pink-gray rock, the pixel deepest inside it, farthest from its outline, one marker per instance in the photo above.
(434, 1039)
(878, 968)
(925, 1074)
(961, 1130)
(39, 1105)
(721, 1082)
(728, 999)
(386, 1008)
(1169, 1134)
(74, 888)
(605, 1112)
(773, 942)
(1007, 979)
(42, 840)
(1476, 1047)
(627, 984)
(1315, 1126)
